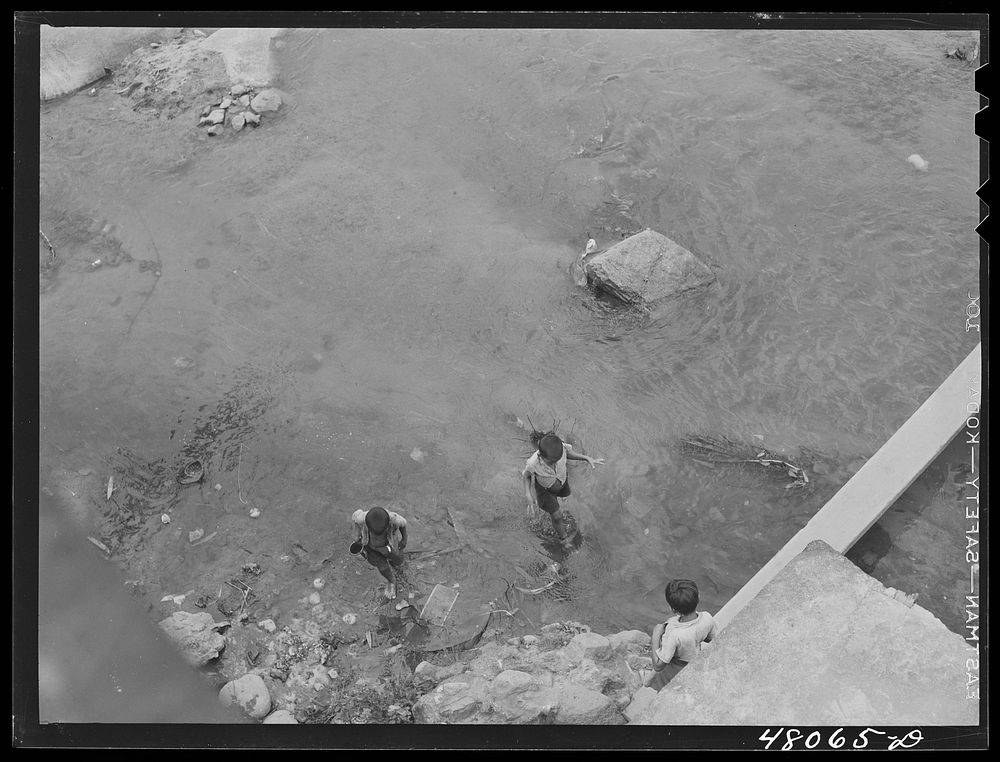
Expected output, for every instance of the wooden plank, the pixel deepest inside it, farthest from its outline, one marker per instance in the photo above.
(879, 483)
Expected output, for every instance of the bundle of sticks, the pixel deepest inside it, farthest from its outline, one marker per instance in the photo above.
(723, 450)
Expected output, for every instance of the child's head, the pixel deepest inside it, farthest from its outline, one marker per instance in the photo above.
(377, 520)
(682, 595)
(551, 447)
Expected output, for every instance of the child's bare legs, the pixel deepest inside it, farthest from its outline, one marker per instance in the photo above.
(559, 524)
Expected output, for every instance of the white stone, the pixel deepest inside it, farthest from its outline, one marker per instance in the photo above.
(918, 161)
(314, 598)
(217, 116)
(254, 513)
(267, 625)
(164, 518)
(249, 693)
(319, 583)
(281, 717)
(238, 122)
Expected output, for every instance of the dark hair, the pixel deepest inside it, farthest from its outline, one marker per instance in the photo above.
(377, 519)
(682, 595)
(551, 446)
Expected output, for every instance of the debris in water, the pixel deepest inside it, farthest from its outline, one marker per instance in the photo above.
(254, 513)
(918, 161)
(193, 471)
(319, 583)
(417, 454)
(164, 518)
(195, 534)
(100, 545)
(111, 486)
(217, 487)
(349, 618)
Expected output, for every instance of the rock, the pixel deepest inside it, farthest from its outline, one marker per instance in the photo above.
(628, 640)
(314, 598)
(237, 90)
(266, 100)
(195, 534)
(581, 706)
(588, 645)
(319, 583)
(71, 57)
(281, 717)
(226, 103)
(244, 101)
(530, 640)
(647, 267)
(267, 625)
(511, 681)
(238, 122)
(450, 702)
(918, 161)
(215, 129)
(640, 700)
(216, 116)
(195, 635)
(246, 53)
(251, 118)
(249, 693)
(595, 677)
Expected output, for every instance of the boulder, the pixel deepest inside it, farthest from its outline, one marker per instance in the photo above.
(588, 645)
(281, 717)
(582, 706)
(195, 635)
(216, 116)
(251, 117)
(511, 681)
(647, 267)
(629, 640)
(72, 57)
(266, 100)
(249, 693)
(640, 700)
(448, 703)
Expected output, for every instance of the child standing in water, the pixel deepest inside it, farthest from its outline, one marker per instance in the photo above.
(678, 640)
(545, 478)
(376, 530)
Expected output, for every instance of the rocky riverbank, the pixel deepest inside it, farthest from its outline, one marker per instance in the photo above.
(310, 671)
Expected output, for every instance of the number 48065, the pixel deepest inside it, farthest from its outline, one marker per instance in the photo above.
(836, 739)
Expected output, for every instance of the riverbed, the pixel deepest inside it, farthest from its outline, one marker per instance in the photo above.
(355, 303)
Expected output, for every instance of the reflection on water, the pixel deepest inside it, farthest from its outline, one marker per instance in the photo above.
(392, 253)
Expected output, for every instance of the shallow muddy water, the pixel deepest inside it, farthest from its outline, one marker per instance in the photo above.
(353, 304)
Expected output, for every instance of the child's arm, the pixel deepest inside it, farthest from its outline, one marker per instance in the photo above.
(654, 645)
(594, 462)
(402, 533)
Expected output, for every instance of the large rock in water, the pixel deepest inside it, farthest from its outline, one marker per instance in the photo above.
(71, 57)
(647, 267)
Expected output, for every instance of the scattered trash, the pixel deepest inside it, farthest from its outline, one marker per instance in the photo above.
(721, 450)
(319, 583)
(412, 596)
(193, 471)
(111, 486)
(349, 618)
(177, 599)
(205, 539)
(254, 513)
(164, 518)
(217, 487)
(195, 534)
(95, 264)
(252, 568)
(390, 651)
(369, 639)
(402, 605)
(92, 92)
(918, 162)
(100, 545)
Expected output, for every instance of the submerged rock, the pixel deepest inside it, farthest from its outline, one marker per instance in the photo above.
(647, 267)
(266, 100)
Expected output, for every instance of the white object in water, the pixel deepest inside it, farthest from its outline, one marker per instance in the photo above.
(591, 246)
(918, 161)
(349, 618)
(254, 513)
(164, 518)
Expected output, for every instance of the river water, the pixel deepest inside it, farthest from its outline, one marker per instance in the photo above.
(353, 304)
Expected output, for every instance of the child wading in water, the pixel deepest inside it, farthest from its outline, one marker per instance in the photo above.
(375, 530)
(678, 640)
(546, 479)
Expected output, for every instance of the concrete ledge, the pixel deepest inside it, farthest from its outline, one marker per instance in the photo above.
(879, 483)
(824, 644)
